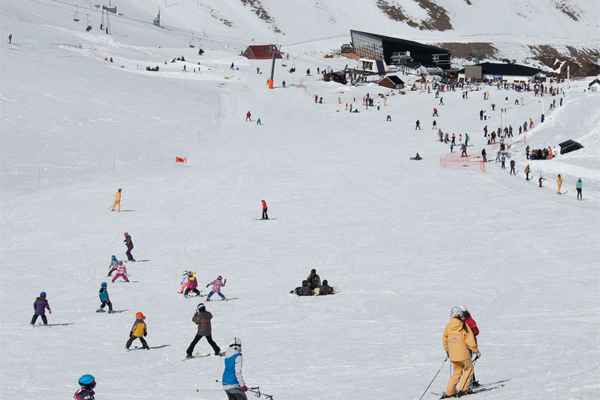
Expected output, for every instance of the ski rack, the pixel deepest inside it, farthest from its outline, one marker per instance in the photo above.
(258, 393)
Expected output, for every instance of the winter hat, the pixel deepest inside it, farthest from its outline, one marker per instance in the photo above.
(579, 180)
(325, 282)
(220, 277)
(313, 271)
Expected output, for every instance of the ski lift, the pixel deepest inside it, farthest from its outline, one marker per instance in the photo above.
(76, 15)
(283, 63)
(192, 45)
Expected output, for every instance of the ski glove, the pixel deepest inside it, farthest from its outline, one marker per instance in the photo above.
(477, 355)
(208, 285)
(244, 388)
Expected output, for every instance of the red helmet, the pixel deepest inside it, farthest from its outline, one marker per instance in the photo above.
(139, 316)
(125, 234)
(219, 277)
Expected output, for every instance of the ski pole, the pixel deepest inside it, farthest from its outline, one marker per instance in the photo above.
(446, 359)
(258, 393)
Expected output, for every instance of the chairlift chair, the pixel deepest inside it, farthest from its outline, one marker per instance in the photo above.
(76, 15)
(192, 44)
(283, 63)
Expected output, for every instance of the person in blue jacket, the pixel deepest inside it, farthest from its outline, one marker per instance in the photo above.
(104, 299)
(579, 187)
(233, 382)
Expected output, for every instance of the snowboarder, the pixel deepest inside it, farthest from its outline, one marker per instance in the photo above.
(559, 182)
(458, 340)
(418, 125)
(117, 200)
(303, 290)
(40, 305)
(192, 286)
(86, 391)
(248, 116)
(264, 209)
(314, 281)
(103, 293)
(138, 331)
(527, 172)
(121, 272)
(579, 187)
(473, 325)
(416, 157)
(114, 264)
(233, 382)
(129, 244)
(216, 287)
(325, 289)
(202, 319)
(512, 167)
(540, 180)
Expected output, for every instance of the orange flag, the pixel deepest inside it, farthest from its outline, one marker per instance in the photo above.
(181, 160)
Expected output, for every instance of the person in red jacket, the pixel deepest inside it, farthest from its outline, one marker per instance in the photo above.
(473, 325)
(265, 208)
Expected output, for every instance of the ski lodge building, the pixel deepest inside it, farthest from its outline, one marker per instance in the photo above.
(261, 52)
(490, 72)
(396, 51)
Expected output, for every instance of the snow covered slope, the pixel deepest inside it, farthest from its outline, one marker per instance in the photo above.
(404, 240)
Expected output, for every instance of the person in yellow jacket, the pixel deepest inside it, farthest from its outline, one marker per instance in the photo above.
(138, 331)
(558, 183)
(527, 172)
(458, 340)
(117, 200)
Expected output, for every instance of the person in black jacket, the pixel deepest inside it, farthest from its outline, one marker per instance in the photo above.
(314, 281)
(303, 290)
(325, 289)
(202, 319)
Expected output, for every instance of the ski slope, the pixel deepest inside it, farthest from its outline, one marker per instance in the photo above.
(404, 240)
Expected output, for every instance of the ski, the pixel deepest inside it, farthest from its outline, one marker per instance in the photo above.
(264, 219)
(475, 391)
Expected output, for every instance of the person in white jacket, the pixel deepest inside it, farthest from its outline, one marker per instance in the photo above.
(233, 382)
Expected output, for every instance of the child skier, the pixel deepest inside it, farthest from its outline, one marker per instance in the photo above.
(103, 293)
(217, 284)
(129, 244)
(138, 331)
(192, 286)
(86, 392)
(185, 276)
(40, 305)
(121, 272)
(540, 180)
(114, 263)
(202, 318)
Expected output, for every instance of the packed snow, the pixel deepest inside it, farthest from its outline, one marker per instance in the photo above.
(404, 240)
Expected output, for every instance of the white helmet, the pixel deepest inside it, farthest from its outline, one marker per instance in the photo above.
(235, 343)
(464, 309)
(456, 312)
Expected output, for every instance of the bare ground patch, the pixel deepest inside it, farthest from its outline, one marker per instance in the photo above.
(581, 62)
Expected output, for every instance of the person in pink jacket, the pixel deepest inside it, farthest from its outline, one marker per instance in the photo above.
(121, 272)
(216, 287)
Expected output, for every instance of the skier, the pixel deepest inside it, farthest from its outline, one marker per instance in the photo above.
(579, 187)
(40, 305)
(473, 325)
(114, 264)
(202, 319)
(441, 101)
(303, 290)
(265, 209)
(512, 167)
(233, 382)
(540, 180)
(527, 172)
(10, 39)
(453, 139)
(484, 155)
(248, 116)
(434, 124)
(435, 113)
(86, 391)
(129, 244)
(192, 286)
(121, 272)
(458, 340)
(185, 277)
(418, 125)
(559, 182)
(389, 118)
(283, 83)
(103, 293)
(117, 200)
(467, 138)
(217, 284)
(138, 331)
(258, 122)
(463, 151)
(314, 281)
(325, 289)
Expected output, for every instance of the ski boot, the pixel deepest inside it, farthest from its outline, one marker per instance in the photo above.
(462, 393)
(111, 311)
(100, 310)
(475, 384)
(208, 299)
(224, 298)
(445, 396)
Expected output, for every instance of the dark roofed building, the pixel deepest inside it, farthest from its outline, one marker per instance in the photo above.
(569, 146)
(370, 45)
(492, 71)
(261, 52)
(392, 82)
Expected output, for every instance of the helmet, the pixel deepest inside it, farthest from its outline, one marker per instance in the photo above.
(456, 312)
(103, 284)
(559, 175)
(201, 307)
(219, 277)
(87, 381)
(43, 294)
(139, 316)
(304, 283)
(114, 257)
(125, 234)
(120, 189)
(313, 271)
(235, 343)
(325, 282)
(184, 272)
(120, 262)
